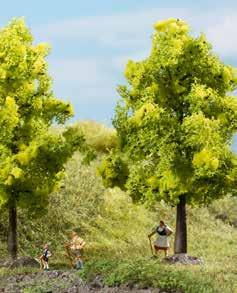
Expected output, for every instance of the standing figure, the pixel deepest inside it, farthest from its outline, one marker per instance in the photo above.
(162, 240)
(75, 250)
(44, 258)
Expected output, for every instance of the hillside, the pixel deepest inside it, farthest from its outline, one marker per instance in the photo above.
(116, 231)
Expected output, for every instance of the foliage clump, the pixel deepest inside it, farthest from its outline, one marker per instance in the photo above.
(32, 158)
(175, 121)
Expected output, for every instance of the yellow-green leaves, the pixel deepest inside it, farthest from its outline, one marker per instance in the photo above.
(17, 172)
(9, 118)
(42, 49)
(10, 180)
(2, 73)
(173, 25)
(198, 131)
(177, 119)
(206, 159)
(162, 25)
(99, 137)
(146, 112)
(27, 153)
(134, 72)
(32, 158)
(113, 171)
(14, 40)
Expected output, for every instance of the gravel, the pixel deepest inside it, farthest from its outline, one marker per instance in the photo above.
(183, 259)
(62, 282)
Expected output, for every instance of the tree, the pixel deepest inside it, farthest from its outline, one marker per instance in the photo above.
(32, 156)
(175, 125)
(99, 137)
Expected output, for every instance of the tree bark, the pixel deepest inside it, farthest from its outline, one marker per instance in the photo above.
(180, 244)
(12, 230)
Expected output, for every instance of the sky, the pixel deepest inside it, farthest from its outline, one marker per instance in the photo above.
(93, 40)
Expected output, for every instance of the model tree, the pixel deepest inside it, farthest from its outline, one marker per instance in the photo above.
(175, 125)
(32, 156)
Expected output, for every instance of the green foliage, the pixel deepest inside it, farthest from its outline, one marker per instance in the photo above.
(32, 158)
(120, 229)
(147, 272)
(74, 206)
(226, 210)
(215, 243)
(116, 230)
(101, 138)
(113, 170)
(105, 218)
(175, 121)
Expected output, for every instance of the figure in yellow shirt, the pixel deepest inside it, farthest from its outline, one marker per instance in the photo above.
(74, 249)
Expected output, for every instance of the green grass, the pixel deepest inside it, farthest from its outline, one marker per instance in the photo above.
(209, 238)
(147, 272)
(116, 234)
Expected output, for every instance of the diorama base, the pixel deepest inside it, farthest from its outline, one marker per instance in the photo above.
(183, 258)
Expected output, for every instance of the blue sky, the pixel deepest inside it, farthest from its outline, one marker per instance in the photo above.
(92, 41)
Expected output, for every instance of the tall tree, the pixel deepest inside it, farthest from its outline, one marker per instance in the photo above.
(32, 156)
(175, 125)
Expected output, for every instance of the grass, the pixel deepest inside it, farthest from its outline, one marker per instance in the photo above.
(148, 272)
(209, 238)
(5, 272)
(116, 234)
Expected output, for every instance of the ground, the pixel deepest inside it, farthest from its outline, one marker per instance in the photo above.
(60, 281)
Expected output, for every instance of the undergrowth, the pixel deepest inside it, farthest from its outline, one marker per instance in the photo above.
(116, 230)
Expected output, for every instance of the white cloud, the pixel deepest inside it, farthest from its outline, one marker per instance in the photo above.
(92, 80)
(88, 80)
(84, 71)
(133, 29)
(94, 77)
(115, 30)
(119, 62)
(223, 34)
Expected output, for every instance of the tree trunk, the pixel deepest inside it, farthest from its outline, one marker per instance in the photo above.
(12, 231)
(180, 244)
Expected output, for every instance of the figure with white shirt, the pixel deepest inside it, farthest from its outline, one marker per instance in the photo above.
(163, 232)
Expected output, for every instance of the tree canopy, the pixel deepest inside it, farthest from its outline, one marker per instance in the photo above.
(175, 122)
(32, 156)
